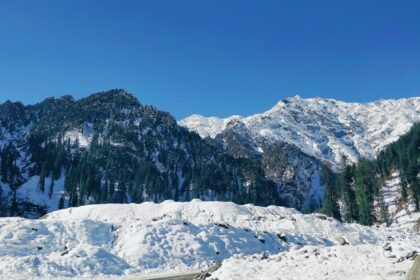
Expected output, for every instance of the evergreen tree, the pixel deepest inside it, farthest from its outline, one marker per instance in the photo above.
(41, 182)
(14, 210)
(330, 204)
(383, 208)
(61, 203)
(1, 199)
(403, 188)
(3, 165)
(346, 181)
(51, 187)
(366, 187)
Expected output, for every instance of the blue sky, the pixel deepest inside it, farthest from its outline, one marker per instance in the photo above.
(210, 57)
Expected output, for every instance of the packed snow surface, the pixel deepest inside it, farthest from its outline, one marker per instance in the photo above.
(121, 240)
(324, 128)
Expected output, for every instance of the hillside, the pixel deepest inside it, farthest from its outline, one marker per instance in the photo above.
(108, 147)
(376, 190)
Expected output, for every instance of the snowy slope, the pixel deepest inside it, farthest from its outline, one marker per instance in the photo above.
(324, 128)
(140, 239)
(354, 262)
(207, 127)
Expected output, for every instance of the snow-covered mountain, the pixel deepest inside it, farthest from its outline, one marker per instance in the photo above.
(120, 241)
(326, 129)
(108, 147)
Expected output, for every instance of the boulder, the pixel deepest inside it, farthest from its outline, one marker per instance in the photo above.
(321, 216)
(387, 247)
(411, 256)
(414, 273)
(341, 240)
(265, 255)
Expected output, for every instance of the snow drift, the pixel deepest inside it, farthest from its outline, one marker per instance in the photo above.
(117, 240)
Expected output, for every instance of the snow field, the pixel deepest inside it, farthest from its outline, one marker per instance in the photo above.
(122, 240)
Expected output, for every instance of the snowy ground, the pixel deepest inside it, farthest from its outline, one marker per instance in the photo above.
(127, 241)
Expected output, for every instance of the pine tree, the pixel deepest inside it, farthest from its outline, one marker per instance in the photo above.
(330, 204)
(349, 197)
(51, 187)
(1, 199)
(3, 165)
(366, 188)
(41, 182)
(383, 208)
(14, 210)
(61, 203)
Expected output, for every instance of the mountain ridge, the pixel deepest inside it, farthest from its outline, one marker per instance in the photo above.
(108, 147)
(351, 126)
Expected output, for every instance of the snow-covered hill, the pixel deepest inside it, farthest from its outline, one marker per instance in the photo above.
(323, 128)
(252, 242)
(110, 148)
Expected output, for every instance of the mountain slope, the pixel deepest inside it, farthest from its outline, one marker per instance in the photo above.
(326, 129)
(377, 190)
(110, 148)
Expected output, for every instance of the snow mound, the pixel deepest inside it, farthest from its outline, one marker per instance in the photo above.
(354, 262)
(141, 239)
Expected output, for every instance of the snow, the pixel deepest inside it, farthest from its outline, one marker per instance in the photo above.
(359, 262)
(30, 192)
(391, 192)
(82, 138)
(316, 192)
(324, 128)
(207, 127)
(121, 240)
(400, 214)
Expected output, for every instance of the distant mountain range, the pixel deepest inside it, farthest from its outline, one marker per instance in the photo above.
(108, 147)
(326, 129)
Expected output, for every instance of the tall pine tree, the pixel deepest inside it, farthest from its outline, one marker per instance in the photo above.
(330, 205)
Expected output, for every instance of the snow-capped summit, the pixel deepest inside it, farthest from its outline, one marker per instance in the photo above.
(207, 127)
(327, 129)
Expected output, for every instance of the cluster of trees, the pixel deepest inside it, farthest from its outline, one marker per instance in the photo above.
(10, 172)
(404, 155)
(357, 186)
(109, 173)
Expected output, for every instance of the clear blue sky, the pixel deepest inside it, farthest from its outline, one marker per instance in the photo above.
(210, 57)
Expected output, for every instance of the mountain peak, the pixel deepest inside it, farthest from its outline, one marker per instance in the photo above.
(119, 96)
(292, 99)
